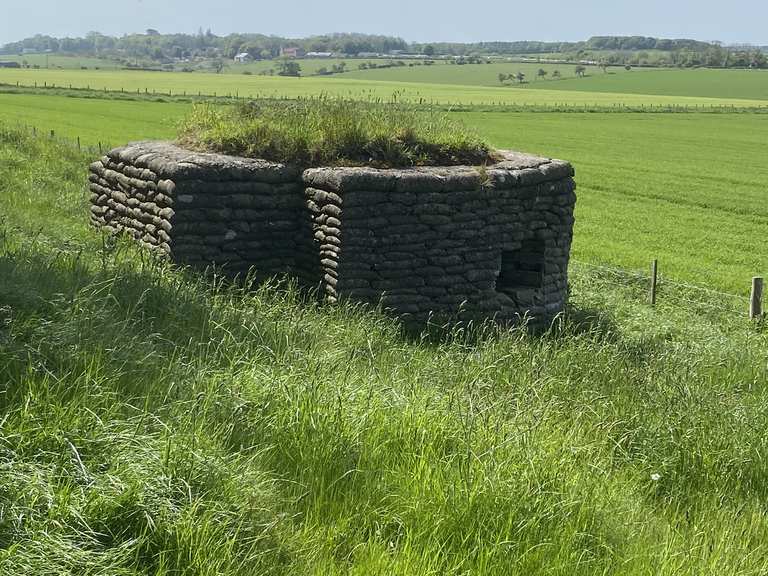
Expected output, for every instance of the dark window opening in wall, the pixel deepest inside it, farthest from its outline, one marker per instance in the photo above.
(522, 269)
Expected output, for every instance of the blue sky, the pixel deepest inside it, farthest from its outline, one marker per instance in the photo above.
(414, 20)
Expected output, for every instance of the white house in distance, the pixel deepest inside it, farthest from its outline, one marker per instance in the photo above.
(243, 57)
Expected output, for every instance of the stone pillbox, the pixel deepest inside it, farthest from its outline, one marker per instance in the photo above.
(457, 241)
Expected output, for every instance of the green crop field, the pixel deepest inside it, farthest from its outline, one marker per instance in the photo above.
(474, 74)
(688, 189)
(706, 83)
(60, 61)
(156, 421)
(750, 84)
(92, 119)
(254, 85)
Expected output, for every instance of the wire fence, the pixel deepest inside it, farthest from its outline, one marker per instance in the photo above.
(669, 291)
(401, 96)
(93, 148)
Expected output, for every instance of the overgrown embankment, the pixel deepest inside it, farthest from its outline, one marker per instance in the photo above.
(156, 422)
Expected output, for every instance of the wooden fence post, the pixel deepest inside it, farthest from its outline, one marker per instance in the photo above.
(755, 298)
(654, 280)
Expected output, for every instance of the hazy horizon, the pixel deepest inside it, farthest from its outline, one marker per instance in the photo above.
(427, 21)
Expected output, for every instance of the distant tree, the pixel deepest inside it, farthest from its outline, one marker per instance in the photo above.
(758, 60)
(502, 77)
(556, 74)
(580, 70)
(218, 65)
(541, 73)
(627, 67)
(363, 66)
(288, 68)
(604, 66)
(520, 77)
(428, 50)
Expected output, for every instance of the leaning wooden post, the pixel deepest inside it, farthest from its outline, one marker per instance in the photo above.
(654, 280)
(755, 298)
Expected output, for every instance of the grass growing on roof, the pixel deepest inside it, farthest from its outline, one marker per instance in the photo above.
(328, 131)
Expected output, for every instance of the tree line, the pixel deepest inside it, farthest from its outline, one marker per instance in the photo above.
(152, 46)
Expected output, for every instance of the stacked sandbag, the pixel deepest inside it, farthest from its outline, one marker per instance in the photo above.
(462, 242)
(456, 241)
(204, 209)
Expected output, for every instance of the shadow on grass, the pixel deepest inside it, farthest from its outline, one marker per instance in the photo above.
(63, 310)
(574, 321)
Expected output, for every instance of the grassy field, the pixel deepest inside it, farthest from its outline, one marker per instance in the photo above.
(155, 422)
(192, 83)
(750, 84)
(706, 83)
(60, 61)
(476, 74)
(669, 186)
(94, 120)
(677, 187)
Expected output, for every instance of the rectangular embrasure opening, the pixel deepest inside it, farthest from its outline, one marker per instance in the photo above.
(522, 269)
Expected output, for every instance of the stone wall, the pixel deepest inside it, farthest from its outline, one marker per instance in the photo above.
(204, 209)
(456, 241)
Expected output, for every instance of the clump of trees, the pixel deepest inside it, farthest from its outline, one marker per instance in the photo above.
(519, 77)
(389, 64)
(287, 67)
(335, 69)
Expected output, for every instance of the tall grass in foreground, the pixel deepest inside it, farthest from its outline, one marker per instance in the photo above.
(156, 422)
(323, 131)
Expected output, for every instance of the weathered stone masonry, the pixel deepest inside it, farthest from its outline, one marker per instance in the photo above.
(457, 241)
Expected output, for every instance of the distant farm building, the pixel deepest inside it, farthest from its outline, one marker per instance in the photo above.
(243, 57)
(291, 52)
(319, 54)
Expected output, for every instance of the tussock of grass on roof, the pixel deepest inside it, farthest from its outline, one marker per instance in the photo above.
(330, 131)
